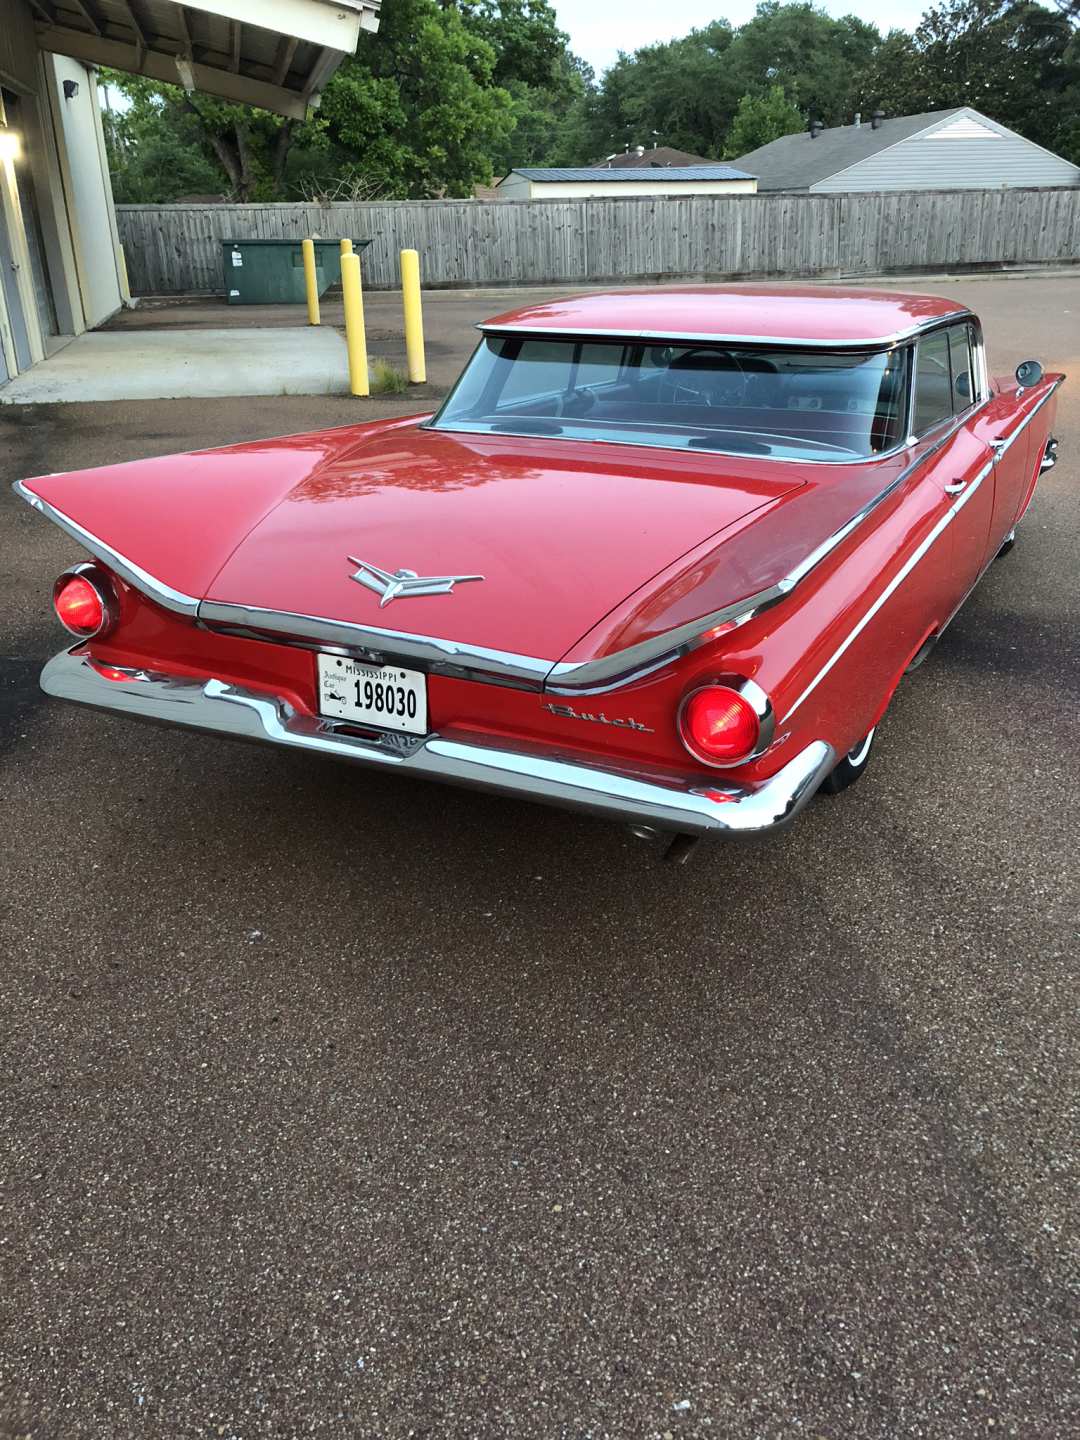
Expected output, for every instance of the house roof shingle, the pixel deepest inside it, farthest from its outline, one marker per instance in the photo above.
(795, 162)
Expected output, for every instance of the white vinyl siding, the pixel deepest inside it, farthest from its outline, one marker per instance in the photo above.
(619, 189)
(966, 152)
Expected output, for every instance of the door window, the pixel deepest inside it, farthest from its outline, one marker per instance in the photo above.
(963, 369)
(933, 382)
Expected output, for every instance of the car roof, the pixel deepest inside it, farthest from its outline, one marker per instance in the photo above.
(817, 315)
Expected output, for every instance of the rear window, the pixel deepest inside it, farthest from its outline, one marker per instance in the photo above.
(790, 404)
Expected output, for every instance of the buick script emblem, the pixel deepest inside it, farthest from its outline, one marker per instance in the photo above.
(403, 583)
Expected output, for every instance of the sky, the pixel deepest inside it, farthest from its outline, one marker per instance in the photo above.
(599, 29)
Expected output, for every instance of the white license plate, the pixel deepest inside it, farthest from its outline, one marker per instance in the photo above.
(383, 696)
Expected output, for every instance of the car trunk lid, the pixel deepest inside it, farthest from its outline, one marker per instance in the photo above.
(560, 533)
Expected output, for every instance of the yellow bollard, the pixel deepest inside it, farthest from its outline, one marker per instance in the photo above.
(346, 247)
(414, 318)
(311, 283)
(355, 338)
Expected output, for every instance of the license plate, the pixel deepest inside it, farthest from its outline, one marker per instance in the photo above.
(383, 696)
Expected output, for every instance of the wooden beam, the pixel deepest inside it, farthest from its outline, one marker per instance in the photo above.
(161, 65)
(326, 62)
(286, 49)
(237, 32)
(45, 10)
(185, 29)
(88, 15)
(134, 23)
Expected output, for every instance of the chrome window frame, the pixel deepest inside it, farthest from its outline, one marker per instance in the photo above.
(886, 346)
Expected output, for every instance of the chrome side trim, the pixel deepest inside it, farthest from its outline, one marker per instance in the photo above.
(695, 807)
(898, 579)
(636, 661)
(1002, 446)
(134, 574)
(878, 342)
(489, 666)
(371, 642)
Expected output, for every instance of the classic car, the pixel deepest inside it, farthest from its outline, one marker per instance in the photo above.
(662, 555)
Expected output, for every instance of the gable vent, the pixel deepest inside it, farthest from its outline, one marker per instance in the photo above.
(965, 128)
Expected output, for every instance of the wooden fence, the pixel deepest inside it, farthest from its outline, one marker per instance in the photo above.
(176, 249)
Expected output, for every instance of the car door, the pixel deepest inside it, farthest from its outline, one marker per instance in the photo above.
(1002, 425)
(946, 393)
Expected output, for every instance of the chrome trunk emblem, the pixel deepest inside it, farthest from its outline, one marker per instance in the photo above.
(403, 583)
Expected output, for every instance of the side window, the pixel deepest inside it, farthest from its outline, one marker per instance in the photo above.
(963, 372)
(933, 382)
(540, 368)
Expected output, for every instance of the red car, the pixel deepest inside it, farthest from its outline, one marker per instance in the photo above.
(662, 555)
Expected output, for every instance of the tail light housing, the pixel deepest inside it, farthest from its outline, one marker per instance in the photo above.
(726, 722)
(85, 602)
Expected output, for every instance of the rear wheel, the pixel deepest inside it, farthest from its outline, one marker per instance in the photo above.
(848, 770)
(1007, 544)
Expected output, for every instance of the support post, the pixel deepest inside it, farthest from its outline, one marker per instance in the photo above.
(346, 247)
(355, 338)
(311, 282)
(414, 318)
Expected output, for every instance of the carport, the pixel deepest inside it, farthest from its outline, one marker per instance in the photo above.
(275, 56)
(61, 268)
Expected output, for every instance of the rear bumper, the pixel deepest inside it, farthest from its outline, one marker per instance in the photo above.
(709, 807)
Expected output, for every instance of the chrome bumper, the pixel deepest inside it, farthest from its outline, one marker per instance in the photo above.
(710, 807)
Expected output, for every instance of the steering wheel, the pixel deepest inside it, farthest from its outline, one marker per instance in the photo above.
(717, 387)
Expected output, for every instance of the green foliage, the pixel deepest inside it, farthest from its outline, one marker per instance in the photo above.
(386, 379)
(1017, 62)
(448, 91)
(760, 119)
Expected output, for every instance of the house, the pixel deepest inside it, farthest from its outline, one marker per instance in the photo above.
(640, 158)
(958, 149)
(61, 266)
(590, 181)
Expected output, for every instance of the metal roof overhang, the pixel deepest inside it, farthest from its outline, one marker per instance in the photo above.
(277, 56)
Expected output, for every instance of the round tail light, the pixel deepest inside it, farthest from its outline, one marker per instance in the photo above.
(84, 602)
(724, 725)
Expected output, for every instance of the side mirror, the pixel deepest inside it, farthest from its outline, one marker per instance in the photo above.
(963, 386)
(1028, 373)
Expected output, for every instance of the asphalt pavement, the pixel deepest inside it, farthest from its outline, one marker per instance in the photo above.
(337, 1105)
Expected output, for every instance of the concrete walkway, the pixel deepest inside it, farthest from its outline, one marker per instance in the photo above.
(172, 364)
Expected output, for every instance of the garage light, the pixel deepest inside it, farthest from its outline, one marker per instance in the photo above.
(9, 143)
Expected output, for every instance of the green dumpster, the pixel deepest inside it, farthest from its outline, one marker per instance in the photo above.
(271, 272)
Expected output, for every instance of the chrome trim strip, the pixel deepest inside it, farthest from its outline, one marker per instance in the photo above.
(134, 574)
(526, 672)
(595, 676)
(878, 342)
(479, 427)
(901, 575)
(318, 632)
(696, 807)
(1001, 446)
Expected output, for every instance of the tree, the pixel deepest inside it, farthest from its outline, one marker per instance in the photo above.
(760, 119)
(680, 93)
(1015, 61)
(820, 62)
(687, 92)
